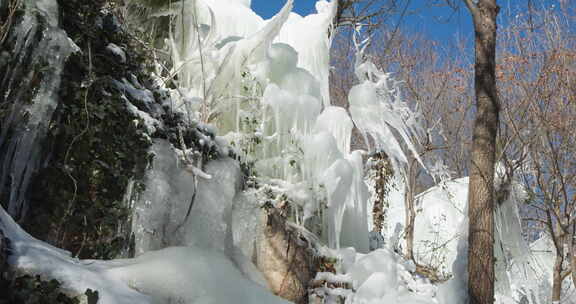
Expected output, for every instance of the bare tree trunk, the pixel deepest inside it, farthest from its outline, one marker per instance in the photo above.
(481, 187)
(410, 211)
(573, 254)
(557, 276)
(410, 218)
(558, 239)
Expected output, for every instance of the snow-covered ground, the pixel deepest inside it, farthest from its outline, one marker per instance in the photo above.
(523, 271)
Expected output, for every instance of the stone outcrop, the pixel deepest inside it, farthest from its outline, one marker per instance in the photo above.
(3, 254)
(285, 258)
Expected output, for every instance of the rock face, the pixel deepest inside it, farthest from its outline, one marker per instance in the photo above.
(284, 258)
(69, 146)
(3, 254)
(72, 183)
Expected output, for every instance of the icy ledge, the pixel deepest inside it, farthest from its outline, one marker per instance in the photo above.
(198, 268)
(176, 274)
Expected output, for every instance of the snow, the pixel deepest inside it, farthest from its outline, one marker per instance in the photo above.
(264, 84)
(225, 55)
(134, 91)
(378, 261)
(438, 226)
(395, 218)
(382, 276)
(117, 51)
(36, 257)
(200, 267)
(441, 235)
(150, 123)
(190, 274)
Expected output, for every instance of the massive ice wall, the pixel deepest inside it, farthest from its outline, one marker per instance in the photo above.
(261, 80)
(265, 85)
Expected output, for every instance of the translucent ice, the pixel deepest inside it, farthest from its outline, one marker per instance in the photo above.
(33, 94)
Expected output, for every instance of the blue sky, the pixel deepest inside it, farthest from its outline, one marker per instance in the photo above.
(438, 23)
(267, 8)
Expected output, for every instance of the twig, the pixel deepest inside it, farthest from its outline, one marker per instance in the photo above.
(78, 136)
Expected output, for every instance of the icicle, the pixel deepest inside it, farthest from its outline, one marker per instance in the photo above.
(309, 37)
(41, 49)
(377, 108)
(338, 180)
(336, 121)
(355, 221)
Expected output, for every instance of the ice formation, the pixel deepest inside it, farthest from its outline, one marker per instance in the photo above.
(220, 65)
(380, 276)
(189, 274)
(264, 83)
(25, 126)
(268, 89)
(204, 224)
(440, 241)
(36, 257)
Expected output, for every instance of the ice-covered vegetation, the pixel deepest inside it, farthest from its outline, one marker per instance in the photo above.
(259, 90)
(266, 88)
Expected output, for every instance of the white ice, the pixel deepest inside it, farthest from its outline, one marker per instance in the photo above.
(206, 263)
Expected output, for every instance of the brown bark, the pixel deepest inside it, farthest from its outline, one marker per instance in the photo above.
(384, 172)
(573, 254)
(558, 239)
(411, 217)
(286, 261)
(410, 210)
(481, 188)
(557, 276)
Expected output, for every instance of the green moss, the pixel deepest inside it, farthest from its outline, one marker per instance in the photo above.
(33, 290)
(77, 200)
(95, 149)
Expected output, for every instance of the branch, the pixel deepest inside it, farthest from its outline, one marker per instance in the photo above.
(472, 8)
(537, 220)
(555, 240)
(565, 274)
